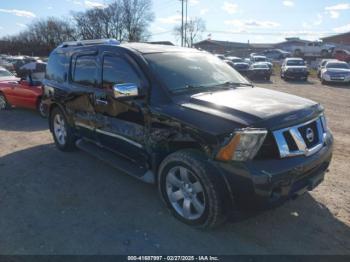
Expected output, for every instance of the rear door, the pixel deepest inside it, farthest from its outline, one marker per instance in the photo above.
(83, 81)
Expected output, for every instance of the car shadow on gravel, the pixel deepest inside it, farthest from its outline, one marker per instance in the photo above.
(300, 82)
(22, 120)
(338, 85)
(81, 206)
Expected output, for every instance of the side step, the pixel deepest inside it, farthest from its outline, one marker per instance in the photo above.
(116, 161)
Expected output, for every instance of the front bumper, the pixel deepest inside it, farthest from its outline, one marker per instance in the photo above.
(336, 79)
(296, 75)
(266, 183)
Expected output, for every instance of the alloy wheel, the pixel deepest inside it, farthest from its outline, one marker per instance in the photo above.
(185, 193)
(59, 127)
(3, 102)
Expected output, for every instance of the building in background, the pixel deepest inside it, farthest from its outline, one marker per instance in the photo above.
(340, 39)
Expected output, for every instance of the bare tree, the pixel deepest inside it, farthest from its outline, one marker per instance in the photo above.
(40, 37)
(122, 19)
(137, 17)
(194, 29)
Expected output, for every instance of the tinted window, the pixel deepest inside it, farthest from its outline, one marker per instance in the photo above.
(118, 71)
(85, 71)
(338, 65)
(259, 59)
(296, 62)
(57, 67)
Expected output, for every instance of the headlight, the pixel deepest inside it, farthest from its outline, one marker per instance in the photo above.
(244, 145)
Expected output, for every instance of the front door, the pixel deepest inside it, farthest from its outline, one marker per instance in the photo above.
(22, 95)
(120, 123)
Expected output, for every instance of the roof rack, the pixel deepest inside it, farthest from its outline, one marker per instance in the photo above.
(91, 42)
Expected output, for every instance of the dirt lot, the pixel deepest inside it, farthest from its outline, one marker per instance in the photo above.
(70, 203)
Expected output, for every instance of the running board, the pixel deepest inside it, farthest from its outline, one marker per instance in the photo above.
(116, 161)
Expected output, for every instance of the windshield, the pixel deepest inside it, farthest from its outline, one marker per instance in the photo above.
(338, 65)
(261, 66)
(237, 60)
(259, 59)
(179, 71)
(5, 73)
(296, 62)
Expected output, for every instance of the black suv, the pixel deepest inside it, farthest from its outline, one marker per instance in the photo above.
(186, 121)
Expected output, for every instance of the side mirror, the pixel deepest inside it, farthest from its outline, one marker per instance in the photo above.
(125, 90)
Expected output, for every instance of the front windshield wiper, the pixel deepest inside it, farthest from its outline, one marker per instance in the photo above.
(236, 83)
(227, 84)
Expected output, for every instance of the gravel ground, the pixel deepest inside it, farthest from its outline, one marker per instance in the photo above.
(69, 203)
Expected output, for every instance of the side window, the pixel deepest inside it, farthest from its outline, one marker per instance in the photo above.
(85, 71)
(57, 68)
(118, 71)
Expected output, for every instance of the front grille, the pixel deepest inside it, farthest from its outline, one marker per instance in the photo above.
(269, 149)
(303, 131)
(304, 139)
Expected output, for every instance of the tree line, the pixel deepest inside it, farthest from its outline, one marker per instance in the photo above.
(124, 20)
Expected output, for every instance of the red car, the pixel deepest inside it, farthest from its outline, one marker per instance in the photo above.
(342, 55)
(19, 93)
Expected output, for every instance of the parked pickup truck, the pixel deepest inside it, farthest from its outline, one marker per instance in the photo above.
(315, 49)
(184, 120)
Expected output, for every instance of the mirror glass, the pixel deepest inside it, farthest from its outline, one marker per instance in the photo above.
(125, 89)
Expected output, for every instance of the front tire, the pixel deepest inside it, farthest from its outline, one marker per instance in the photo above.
(62, 132)
(188, 186)
(3, 102)
(42, 108)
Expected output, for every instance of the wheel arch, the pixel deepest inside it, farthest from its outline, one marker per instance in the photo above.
(54, 105)
(226, 193)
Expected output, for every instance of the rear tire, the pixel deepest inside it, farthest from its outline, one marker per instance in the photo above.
(200, 207)
(62, 132)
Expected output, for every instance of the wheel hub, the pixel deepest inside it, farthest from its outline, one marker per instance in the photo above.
(185, 193)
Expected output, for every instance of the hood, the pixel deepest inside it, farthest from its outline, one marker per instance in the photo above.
(249, 106)
(337, 70)
(297, 67)
(241, 63)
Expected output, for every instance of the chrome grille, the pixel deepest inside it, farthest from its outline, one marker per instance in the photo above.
(296, 140)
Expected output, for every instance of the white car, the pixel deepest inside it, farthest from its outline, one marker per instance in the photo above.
(316, 48)
(261, 59)
(6, 76)
(336, 71)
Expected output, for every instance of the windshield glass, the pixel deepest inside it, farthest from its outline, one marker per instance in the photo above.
(338, 65)
(186, 70)
(296, 62)
(261, 66)
(5, 73)
(237, 60)
(259, 59)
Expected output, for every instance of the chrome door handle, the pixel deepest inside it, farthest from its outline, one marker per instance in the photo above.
(101, 102)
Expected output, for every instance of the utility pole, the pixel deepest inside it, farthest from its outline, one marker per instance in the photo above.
(186, 23)
(182, 22)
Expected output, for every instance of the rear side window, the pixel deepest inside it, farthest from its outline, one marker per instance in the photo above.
(57, 68)
(118, 71)
(85, 71)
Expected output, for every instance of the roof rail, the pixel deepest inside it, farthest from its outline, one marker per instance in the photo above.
(91, 42)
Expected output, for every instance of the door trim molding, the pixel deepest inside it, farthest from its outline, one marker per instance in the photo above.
(119, 137)
(110, 134)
